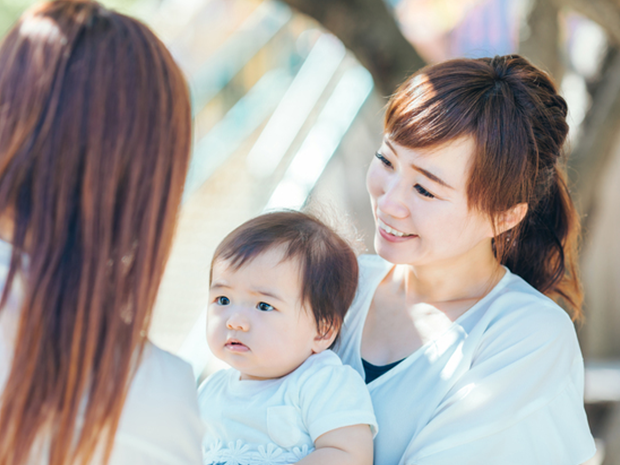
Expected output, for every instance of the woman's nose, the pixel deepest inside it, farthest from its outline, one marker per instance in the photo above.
(392, 200)
(238, 322)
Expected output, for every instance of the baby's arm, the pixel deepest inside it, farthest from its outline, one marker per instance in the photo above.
(350, 445)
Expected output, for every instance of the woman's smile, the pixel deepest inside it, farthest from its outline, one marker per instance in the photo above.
(391, 234)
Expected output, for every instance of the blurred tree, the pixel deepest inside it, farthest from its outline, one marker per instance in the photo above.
(11, 9)
(369, 30)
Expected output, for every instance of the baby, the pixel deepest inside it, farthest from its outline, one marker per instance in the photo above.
(281, 284)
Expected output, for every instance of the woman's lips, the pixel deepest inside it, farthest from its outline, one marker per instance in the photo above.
(392, 234)
(392, 238)
(236, 346)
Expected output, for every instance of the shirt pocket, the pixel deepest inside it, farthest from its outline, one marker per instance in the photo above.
(282, 425)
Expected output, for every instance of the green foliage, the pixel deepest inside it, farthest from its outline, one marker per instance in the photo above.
(11, 9)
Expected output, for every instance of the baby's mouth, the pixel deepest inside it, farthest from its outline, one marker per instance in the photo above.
(235, 345)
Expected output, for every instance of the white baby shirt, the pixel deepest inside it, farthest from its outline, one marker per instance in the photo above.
(276, 421)
(502, 386)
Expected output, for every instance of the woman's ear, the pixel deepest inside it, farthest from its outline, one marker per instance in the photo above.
(323, 340)
(511, 217)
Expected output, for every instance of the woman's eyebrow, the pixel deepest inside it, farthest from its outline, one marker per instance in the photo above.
(426, 173)
(431, 176)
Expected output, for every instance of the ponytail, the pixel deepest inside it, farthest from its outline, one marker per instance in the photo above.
(543, 248)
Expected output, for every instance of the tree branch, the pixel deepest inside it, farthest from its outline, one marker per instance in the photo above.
(604, 12)
(369, 30)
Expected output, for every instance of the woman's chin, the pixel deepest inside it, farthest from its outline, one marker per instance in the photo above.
(395, 253)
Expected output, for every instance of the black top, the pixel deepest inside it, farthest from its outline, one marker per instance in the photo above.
(372, 372)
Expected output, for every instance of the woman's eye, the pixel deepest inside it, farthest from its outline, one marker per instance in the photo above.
(222, 300)
(383, 160)
(423, 191)
(265, 307)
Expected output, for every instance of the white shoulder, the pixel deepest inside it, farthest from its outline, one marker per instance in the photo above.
(332, 395)
(215, 382)
(160, 416)
(520, 311)
(371, 263)
(162, 374)
(324, 369)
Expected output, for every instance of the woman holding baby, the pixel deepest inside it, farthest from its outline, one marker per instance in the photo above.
(467, 358)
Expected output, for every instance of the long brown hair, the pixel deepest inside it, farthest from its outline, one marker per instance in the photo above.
(94, 146)
(518, 122)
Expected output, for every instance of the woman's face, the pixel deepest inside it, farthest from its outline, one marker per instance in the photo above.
(419, 201)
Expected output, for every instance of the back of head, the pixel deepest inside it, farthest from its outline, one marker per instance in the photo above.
(518, 122)
(94, 146)
(328, 265)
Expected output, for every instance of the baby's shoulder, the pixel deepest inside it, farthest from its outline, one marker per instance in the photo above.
(326, 361)
(325, 369)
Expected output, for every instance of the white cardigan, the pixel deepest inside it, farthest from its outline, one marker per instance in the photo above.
(502, 386)
(160, 423)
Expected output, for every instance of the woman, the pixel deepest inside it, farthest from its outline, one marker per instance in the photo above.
(467, 358)
(94, 148)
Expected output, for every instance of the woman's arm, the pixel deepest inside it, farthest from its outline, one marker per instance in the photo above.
(351, 445)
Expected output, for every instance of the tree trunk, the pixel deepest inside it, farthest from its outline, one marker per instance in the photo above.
(593, 150)
(370, 31)
(542, 45)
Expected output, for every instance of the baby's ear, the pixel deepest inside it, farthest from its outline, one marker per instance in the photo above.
(324, 339)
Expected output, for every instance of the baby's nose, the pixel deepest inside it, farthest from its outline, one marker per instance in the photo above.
(237, 322)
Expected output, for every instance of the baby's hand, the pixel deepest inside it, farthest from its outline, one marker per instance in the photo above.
(351, 445)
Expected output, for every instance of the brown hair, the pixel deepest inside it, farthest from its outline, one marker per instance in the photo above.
(94, 148)
(329, 269)
(518, 122)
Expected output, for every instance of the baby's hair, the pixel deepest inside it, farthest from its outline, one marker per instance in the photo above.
(328, 265)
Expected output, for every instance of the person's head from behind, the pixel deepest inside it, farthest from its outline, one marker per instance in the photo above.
(95, 130)
(472, 162)
(280, 286)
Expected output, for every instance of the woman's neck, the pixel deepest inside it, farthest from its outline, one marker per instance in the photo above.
(464, 278)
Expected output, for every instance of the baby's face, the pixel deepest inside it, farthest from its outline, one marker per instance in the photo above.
(256, 322)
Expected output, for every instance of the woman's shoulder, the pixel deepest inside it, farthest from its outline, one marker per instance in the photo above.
(371, 268)
(162, 375)
(161, 409)
(372, 261)
(516, 313)
(517, 299)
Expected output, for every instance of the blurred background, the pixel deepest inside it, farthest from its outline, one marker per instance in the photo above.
(288, 101)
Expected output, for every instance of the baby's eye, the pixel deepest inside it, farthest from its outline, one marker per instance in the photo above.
(222, 300)
(265, 307)
(383, 160)
(423, 191)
